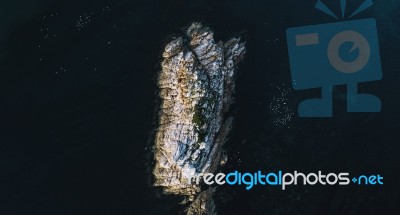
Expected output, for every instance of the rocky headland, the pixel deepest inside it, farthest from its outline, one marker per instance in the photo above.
(196, 86)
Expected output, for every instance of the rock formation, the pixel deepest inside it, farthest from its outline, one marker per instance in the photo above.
(196, 88)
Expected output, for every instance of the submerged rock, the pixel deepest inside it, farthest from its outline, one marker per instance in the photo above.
(196, 87)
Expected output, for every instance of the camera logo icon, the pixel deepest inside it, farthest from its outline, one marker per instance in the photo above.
(325, 55)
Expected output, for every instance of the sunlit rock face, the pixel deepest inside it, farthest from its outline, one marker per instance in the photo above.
(196, 88)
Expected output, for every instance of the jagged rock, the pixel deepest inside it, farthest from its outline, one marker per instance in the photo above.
(196, 86)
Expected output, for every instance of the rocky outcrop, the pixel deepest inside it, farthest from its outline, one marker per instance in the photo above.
(196, 87)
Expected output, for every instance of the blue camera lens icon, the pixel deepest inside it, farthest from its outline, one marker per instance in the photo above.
(325, 55)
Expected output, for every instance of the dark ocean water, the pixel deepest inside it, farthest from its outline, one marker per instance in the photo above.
(77, 85)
